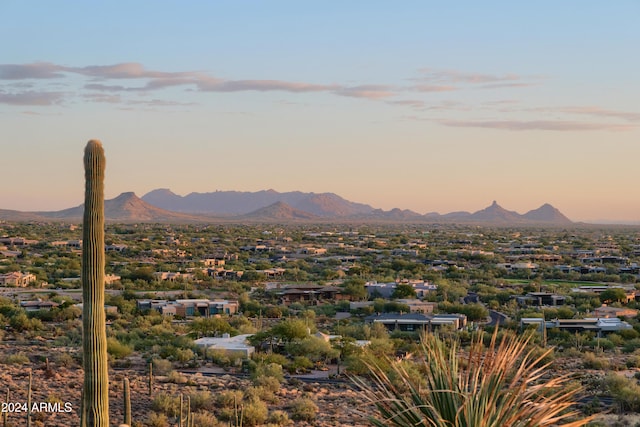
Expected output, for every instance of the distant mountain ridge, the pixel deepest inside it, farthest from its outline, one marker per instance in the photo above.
(127, 207)
(330, 205)
(241, 203)
(310, 207)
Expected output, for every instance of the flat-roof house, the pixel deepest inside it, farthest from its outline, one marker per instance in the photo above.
(608, 312)
(38, 305)
(411, 322)
(594, 324)
(16, 278)
(309, 292)
(237, 345)
(541, 299)
(190, 307)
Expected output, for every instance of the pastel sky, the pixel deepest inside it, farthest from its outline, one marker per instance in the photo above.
(422, 105)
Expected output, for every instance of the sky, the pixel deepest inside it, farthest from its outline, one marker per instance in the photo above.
(422, 105)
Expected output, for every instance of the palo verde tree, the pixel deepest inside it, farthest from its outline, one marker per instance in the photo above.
(95, 395)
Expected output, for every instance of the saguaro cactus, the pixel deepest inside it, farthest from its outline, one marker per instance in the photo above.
(126, 394)
(95, 400)
(29, 400)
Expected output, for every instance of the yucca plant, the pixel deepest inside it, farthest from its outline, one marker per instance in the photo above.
(501, 384)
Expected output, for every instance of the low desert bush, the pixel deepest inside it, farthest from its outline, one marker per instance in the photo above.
(303, 409)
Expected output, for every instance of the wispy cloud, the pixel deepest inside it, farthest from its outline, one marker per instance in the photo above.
(601, 112)
(37, 70)
(414, 103)
(103, 98)
(31, 98)
(261, 86)
(506, 85)
(526, 125)
(366, 91)
(127, 70)
(454, 76)
(432, 88)
(161, 103)
(132, 85)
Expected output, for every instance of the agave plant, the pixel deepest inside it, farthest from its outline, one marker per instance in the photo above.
(501, 384)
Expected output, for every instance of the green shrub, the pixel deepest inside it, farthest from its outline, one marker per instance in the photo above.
(268, 370)
(176, 377)
(300, 364)
(116, 349)
(229, 398)
(15, 359)
(184, 355)
(64, 359)
(255, 393)
(162, 367)
(206, 419)
(591, 361)
(303, 409)
(269, 383)
(631, 345)
(625, 391)
(166, 404)
(201, 400)
(279, 418)
(254, 413)
(157, 420)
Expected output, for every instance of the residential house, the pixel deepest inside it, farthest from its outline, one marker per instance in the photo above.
(418, 306)
(610, 312)
(309, 293)
(540, 299)
(593, 324)
(190, 307)
(232, 346)
(17, 279)
(413, 322)
(38, 305)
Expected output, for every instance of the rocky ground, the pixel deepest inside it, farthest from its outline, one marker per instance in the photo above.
(60, 386)
(339, 404)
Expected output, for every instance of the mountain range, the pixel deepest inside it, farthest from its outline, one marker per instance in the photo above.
(162, 205)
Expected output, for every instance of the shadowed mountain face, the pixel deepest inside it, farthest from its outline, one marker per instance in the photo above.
(278, 211)
(126, 207)
(241, 203)
(547, 213)
(496, 214)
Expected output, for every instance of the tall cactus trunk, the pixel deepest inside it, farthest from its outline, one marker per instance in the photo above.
(29, 399)
(95, 401)
(5, 414)
(126, 393)
(150, 378)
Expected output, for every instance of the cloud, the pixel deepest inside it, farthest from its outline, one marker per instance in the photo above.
(453, 76)
(31, 98)
(126, 70)
(433, 88)
(37, 70)
(214, 85)
(366, 91)
(414, 103)
(507, 85)
(103, 98)
(161, 103)
(109, 88)
(600, 112)
(524, 125)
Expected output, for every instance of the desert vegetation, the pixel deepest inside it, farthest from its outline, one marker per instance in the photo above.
(308, 351)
